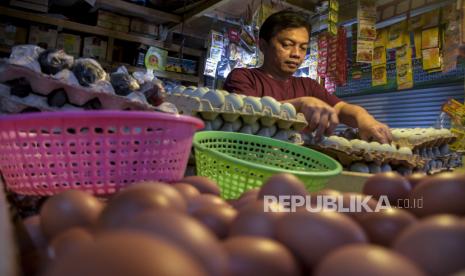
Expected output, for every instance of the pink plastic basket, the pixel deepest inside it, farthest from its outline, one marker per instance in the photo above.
(96, 151)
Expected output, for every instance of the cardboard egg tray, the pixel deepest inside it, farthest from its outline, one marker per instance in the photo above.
(43, 85)
(428, 142)
(347, 156)
(202, 107)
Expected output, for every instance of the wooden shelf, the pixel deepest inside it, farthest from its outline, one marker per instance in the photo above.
(44, 19)
(129, 9)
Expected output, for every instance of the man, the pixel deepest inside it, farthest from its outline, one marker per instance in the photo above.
(283, 40)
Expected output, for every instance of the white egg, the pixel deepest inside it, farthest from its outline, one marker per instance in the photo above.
(178, 89)
(282, 135)
(374, 168)
(189, 90)
(235, 101)
(387, 148)
(329, 143)
(344, 142)
(215, 97)
(208, 125)
(199, 92)
(217, 123)
(405, 150)
(255, 102)
(247, 129)
(386, 168)
(224, 92)
(444, 149)
(232, 127)
(359, 144)
(374, 146)
(272, 104)
(267, 131)
(359, 167)
(290, 109)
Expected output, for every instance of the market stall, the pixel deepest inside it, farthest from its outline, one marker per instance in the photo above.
(126, 148)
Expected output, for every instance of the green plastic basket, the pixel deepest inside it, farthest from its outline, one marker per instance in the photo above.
(239, 162)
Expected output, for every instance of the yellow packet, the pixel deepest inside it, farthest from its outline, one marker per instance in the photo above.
(379, 75)
(430, 38)
(431, 59)
(381, 37)
(404, 72)
(395, 35)
(379, 55)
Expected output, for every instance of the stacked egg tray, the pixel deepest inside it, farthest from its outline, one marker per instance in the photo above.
(26, 90)
(430, 144)
(368, 157)
(232, 112)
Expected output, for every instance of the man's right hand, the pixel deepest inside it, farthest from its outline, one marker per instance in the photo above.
(321, 117)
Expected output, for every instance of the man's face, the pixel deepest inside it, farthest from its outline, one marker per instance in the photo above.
(286, 51)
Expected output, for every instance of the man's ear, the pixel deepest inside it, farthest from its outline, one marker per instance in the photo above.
(262, 45)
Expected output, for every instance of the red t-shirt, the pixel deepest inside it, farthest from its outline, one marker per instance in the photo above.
(254, 82)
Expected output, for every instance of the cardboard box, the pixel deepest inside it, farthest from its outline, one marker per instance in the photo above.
(113, 21)
(42, 36)
(35, 5)
(113, 18)
(94, 47)
(70, 43)
(142, 27)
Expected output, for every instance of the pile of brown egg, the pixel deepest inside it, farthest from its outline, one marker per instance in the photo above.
(186, 228)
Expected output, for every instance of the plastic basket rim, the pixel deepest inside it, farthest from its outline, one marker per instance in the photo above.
(333, 172)
(60, 115)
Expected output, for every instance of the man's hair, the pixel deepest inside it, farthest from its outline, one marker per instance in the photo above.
(280, 21)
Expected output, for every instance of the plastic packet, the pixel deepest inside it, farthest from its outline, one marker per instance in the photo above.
(53, 61)
(26, 56)
(122, 82)
(88, 71)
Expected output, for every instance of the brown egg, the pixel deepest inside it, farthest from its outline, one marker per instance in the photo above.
(416, 178)
(282, 184)
(34, 231)
(384, 226)
(436, 244)
(68, 241)
(69, 209)
(187, 234)
(311, 236)
(253, 221)
(217, 219)
(246, 198)
(137, 199)
(351, 200)
(163, 188)
(440, 194)
(362, 259)
(204, 184)
(205, 201)
(186, 190)
(389, 184)
(251, 256)
(126, 254)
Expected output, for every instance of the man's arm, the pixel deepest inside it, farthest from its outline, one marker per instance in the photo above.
(357, 117)
(320, 116)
